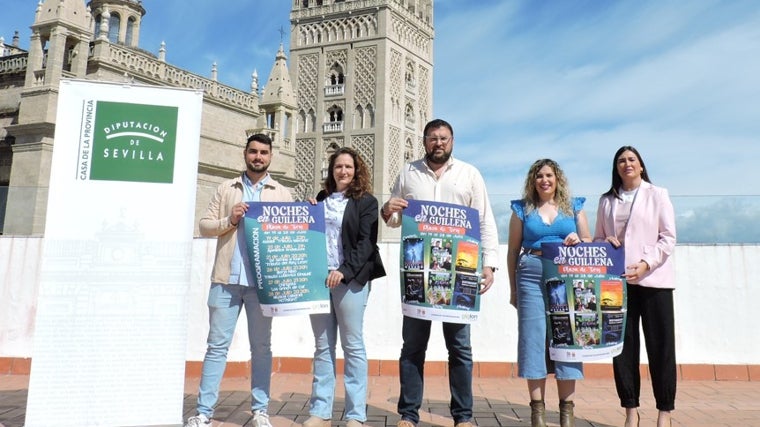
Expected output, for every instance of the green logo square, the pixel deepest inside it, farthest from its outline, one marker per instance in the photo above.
(134, 142)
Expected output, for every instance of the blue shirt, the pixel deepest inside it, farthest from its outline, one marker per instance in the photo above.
(536, 231)
(240, 268)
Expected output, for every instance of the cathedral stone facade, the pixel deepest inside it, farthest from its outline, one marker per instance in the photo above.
(360, 75)
(363, 75)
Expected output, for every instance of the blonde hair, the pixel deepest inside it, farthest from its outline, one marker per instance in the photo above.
(561, 195)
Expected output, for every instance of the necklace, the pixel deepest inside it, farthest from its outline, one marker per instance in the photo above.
(628, 196)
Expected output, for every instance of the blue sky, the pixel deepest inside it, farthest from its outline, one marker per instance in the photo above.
(522, 80)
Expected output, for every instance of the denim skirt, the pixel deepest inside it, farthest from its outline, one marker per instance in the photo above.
(532, 354)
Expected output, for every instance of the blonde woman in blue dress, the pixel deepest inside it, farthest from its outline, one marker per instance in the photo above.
(546, 213)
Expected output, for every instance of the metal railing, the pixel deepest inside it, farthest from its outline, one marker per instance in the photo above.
(699, 219)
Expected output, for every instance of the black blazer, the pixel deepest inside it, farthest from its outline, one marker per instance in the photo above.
(361, 257)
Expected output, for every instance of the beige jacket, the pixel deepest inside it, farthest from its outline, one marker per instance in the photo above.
(216, 221)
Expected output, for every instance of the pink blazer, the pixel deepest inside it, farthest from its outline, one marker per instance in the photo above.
(649, 236)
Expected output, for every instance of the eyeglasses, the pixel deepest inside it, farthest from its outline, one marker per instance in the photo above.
(443, 139)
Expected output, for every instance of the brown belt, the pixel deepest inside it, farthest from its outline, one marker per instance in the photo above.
(536, 252)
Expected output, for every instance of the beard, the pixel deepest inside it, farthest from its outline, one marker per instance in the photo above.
(438, 159)
(258, 168)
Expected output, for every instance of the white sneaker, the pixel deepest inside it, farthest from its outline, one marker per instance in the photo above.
(261, 419)
(199, 420)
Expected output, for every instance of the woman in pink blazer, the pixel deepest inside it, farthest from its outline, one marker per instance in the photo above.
(639, 216)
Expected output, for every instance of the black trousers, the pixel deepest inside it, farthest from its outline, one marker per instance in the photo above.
(653, 308)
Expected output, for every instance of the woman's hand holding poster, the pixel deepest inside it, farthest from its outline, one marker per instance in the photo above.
(286, 249)
(586, 300)
(440, 262)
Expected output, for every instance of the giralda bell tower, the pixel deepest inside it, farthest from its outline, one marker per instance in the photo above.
(363, 76)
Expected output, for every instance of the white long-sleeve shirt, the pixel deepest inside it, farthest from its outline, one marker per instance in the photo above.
(460, 183)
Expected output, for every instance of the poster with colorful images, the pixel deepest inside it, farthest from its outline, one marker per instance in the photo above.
(286, 250)
(586, 300)
(440, 262)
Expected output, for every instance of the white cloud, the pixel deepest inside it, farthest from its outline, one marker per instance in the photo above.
(554, 81)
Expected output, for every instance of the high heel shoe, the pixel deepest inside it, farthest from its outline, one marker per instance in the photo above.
(566, 416)
(537, 413)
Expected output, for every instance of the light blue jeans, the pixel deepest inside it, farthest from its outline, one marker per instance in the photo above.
(532, 354)
(347, 304)
(224, 305)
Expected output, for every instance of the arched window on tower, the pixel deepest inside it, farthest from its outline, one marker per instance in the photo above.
(68, 57)
(334, 121)
(370, 115)
(97, 26)
(286, 125)
(409, 76)
(358, 117)
(329, 150)
(408, 150)
(336, 74)
(428, 12)
(336, 114)
(301, 123)
(130, 31)
(312, 121)
(335, 84)
(409, 116)
(270, 120)
(113, 27)
(45, 43)
(394, 109)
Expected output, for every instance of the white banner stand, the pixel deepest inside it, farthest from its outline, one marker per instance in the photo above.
(110, 333)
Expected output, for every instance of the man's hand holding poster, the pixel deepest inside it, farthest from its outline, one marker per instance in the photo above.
(440, 262)
(586, 300)
(286, 249)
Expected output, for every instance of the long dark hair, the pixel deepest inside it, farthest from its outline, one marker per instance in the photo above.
(361, 183)
(616, 180)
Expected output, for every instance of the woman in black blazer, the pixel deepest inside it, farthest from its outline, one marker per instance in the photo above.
(351, 221)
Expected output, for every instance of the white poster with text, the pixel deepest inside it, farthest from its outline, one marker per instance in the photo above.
(110, 333)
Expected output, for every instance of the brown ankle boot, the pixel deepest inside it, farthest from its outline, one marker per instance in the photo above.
(566, 417)
(537, 412)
